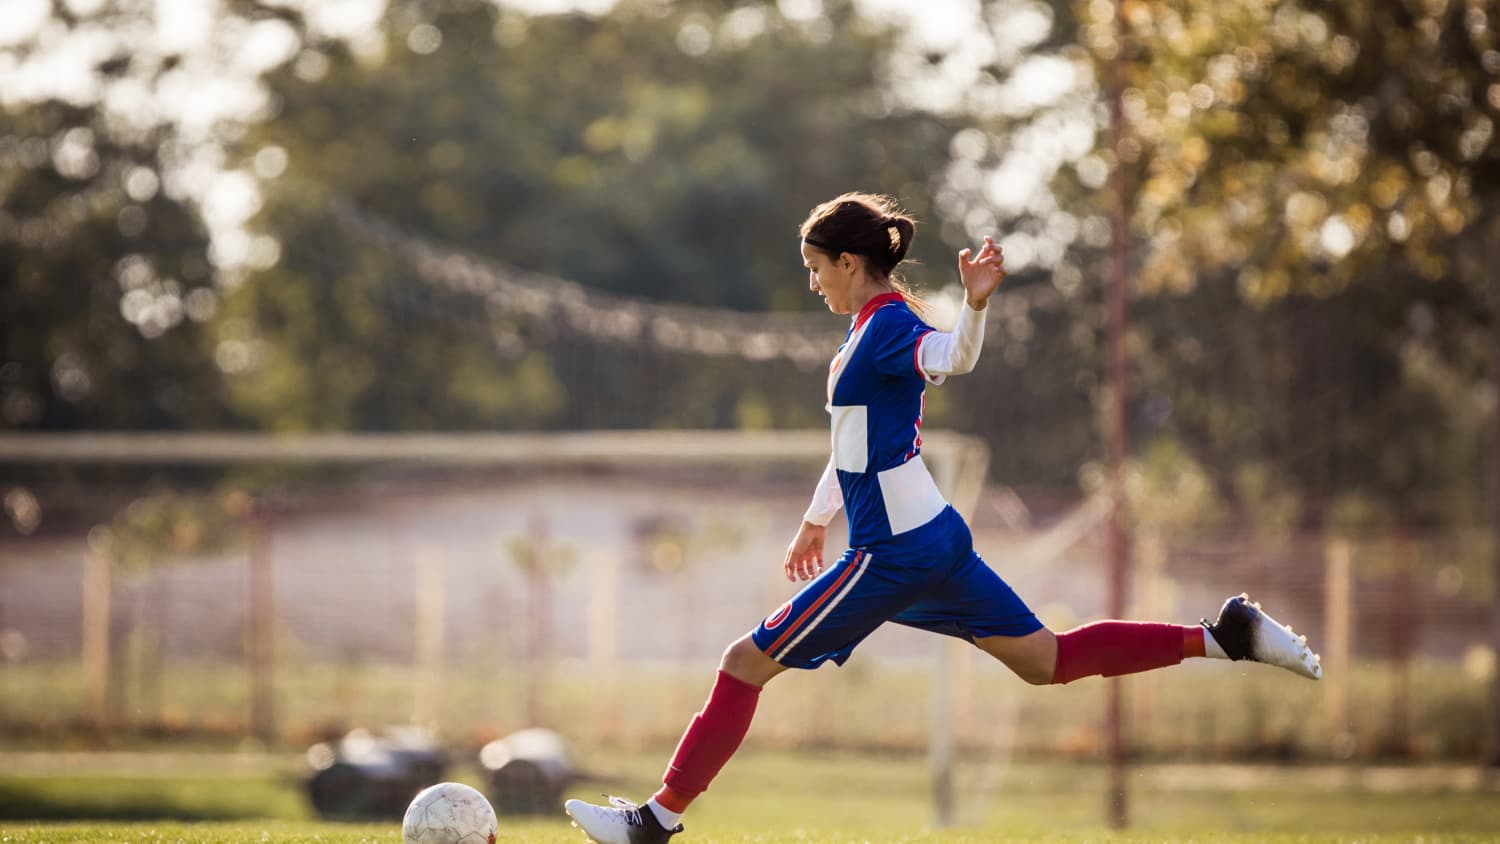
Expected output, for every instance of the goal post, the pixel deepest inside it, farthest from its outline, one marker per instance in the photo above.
(959, 465)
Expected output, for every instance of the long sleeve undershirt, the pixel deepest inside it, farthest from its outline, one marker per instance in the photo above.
(827, 498)
(943, 353)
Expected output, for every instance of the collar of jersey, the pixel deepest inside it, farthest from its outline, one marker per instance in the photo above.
(874, 305)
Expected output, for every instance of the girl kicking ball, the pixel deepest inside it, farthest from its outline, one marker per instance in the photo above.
(911, 558)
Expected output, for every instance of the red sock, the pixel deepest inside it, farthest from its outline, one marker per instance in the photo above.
(1192, 641)
(1112, 648)
(713, 736)
(672, 799)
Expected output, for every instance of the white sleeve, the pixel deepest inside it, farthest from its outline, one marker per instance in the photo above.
(827, 499)
(941, 353)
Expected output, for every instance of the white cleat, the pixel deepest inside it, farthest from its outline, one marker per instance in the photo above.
(621, 822)
(1245, 631)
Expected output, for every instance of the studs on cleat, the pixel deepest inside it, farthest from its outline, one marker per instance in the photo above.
(1245, 631)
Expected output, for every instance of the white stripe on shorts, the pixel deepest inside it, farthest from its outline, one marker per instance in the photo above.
(859, 572)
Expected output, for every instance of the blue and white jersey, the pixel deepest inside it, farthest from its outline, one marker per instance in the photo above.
(875, 399)
(919, 555)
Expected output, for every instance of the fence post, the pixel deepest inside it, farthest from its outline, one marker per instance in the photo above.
(1337, 611)
(603, 642)
(1401, 633)
(97, 583)
(261, 633)
(1492, 247)
(430, 585)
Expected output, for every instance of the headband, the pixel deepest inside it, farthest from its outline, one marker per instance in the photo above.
(827, 247)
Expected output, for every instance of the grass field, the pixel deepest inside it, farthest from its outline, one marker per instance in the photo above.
(783, 797)
(283, 832)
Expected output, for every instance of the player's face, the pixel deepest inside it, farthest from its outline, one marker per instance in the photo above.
(833, 279)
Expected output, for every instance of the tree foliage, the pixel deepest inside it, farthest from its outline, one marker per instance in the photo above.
(1298, 143)
(1312, 212)
(1331, 165)
(105, 281)
(668, 152)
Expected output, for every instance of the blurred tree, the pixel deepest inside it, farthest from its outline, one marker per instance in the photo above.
(106, 268)
(1297, 144)
(1279, 152)
(1027, 98)
(104, 281)
(663, 151)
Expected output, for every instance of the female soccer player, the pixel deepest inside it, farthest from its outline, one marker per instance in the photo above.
(911, 558)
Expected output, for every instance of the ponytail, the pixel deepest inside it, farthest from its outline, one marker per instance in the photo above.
(902, 229)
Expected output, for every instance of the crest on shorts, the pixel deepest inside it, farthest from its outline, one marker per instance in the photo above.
(774, 620)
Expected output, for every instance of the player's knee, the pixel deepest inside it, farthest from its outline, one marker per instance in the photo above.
(1028, 667)
(1035, 673)
(742, 658)
(1033, 658)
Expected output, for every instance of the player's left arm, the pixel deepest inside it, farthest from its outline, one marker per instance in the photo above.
(804, 556)
(943, 353)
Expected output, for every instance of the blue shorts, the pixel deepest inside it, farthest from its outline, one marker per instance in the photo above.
(929, 578)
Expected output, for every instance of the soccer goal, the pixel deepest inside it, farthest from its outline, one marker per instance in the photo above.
(583, 581)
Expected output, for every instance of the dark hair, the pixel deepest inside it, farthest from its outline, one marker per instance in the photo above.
(865, 224)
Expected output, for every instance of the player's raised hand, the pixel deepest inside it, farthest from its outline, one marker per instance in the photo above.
(804, 557)
(983, 274)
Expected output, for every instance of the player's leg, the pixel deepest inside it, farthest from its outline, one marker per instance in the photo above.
(1032, 656)
(825, 620)
(1243, 631)
(711, 739)
(717, 730)
(975, 603)
(1107, 648)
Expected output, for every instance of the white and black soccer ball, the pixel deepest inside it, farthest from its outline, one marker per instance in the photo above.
(449, 813)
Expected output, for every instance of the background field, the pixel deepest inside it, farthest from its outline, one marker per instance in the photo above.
(834, 796)
(1199, 711)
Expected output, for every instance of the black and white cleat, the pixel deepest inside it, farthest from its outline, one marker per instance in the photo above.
(1245, 631)
(621, 822)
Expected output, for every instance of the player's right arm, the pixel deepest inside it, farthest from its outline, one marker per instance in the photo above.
(804, 556)
(943, 353)
(983, 275)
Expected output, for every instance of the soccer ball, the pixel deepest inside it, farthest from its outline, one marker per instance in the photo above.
(449, 813)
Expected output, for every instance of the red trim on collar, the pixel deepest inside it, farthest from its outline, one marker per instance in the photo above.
(874, 305)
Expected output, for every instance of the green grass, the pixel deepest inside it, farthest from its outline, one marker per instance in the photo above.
(144, 798)
(823, 797)
(298, 833)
